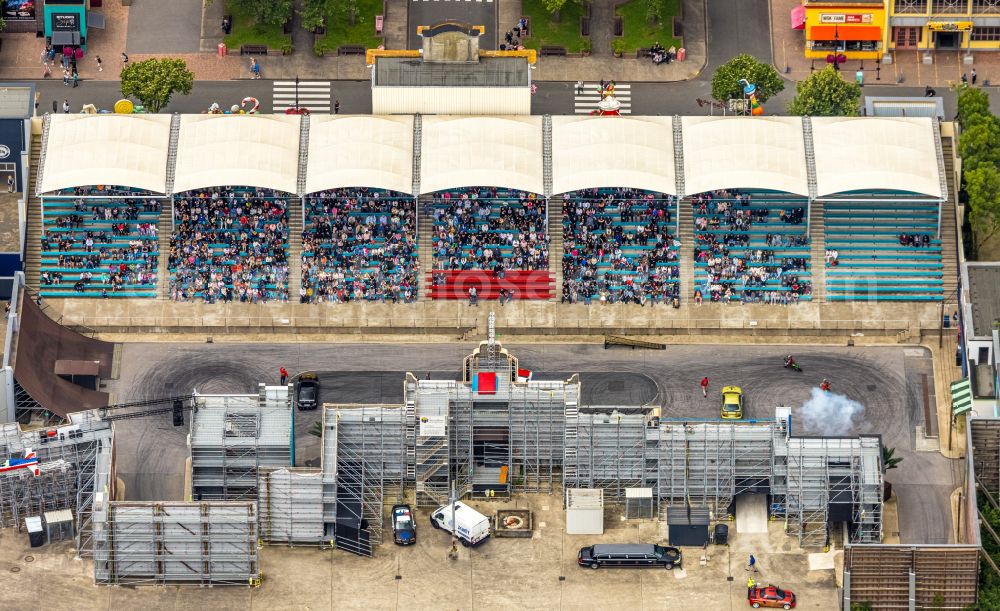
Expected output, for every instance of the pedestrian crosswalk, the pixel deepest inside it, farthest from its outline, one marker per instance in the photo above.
(586, 102)
(314, 95)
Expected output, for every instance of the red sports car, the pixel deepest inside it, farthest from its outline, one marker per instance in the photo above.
(770, 596)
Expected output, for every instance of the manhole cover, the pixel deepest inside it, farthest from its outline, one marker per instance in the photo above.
(871, 388)
(15, 569)
(29, 558)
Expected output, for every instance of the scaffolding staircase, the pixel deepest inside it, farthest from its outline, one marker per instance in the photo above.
(33, 237)
(556, 245)
(685, 233)
(949, 226)
(817, 251)
(425, 253)
(295, 228)
(432, 471)
(570, 444)
(164, 229)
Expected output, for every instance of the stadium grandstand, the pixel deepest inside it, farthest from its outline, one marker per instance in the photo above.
(403, 209)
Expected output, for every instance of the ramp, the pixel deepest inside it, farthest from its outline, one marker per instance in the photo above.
(618, 340)
(751, 514)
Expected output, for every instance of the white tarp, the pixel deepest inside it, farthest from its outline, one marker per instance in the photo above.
(589, 152)
(360, 151)
(890, 153)
(744, 153)
(118, 150)
(461, 151)
(238, 150)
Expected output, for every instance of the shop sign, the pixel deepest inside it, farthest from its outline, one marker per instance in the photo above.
(18, 10)
(845, 18)
(949, 26)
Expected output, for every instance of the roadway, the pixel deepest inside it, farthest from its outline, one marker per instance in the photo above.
(151, 452)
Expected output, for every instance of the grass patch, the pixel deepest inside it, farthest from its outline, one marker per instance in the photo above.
(246, 31)
(339, 31)
(546, 33)
(639, 34)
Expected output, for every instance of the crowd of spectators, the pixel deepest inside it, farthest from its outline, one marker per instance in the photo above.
(230, 244)
(916, 240)
(359, 244)
(736, 265)
(99, 237)
(619, 247)
(484, 229)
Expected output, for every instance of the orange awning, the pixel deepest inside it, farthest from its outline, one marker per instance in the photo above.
(845, 32)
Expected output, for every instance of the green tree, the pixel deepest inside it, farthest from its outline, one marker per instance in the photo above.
(982, 185)
(154, 81)
(889, 459)
(980, 143)
(826, 94)
(726, 81)
(270, 12)
(553, 7)
(313, 12)
(655, 10)
(973, 105)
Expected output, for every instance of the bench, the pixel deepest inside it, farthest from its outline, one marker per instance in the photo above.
(253, 49)
(584, 26)
(379, 19)
(617, 340)
(643, 53)
(678, 28)
(552, 51)
(351, 50)
(619, 26)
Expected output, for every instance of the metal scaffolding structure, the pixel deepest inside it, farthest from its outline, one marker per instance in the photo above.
(233, 436)
(87, 444)
(212, 543)
(22, 494)
(290, 505)
(364, 459)
(708, 464)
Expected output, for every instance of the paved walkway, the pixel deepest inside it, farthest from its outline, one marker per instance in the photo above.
(155, 26)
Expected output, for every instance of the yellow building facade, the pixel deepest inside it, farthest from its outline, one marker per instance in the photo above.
(851, 29)
(930, 25)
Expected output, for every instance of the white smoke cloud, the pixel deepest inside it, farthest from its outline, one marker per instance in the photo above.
(828, 413)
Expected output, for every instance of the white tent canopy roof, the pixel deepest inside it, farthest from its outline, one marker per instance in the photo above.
(252, 150)
(590, 152)
(120, 150)
(461, 151)
(886, 153)
(360, 151)
(744, 152)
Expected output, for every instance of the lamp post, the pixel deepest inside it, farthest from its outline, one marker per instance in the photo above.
(836, 47)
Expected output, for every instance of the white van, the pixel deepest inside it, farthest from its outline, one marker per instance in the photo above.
(472, 527)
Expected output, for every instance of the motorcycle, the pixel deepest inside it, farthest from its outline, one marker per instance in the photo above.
(791, 364)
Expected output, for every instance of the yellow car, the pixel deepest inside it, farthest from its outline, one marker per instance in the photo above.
(732, 402)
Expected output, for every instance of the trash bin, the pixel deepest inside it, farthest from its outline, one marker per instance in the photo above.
(721, 534)
(860, 77)
(681, 54)
(946, 321)
(36, 536)
(222, 49)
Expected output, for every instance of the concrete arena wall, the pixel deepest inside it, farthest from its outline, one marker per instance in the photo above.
(904, 321)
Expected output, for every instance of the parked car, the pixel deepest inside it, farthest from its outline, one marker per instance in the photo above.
(462, 521)
(770, 596)
(629, 556)
(732, 402)
(404, 529)
(307, 391)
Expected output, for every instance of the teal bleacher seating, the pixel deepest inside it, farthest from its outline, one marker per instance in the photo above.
(120, 263)
(872, 264)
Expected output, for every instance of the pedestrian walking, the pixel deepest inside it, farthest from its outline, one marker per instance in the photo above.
(124, 60)
(579, 87)
(336, 107)
(66, 106)
(76, 79)
(929, 92)
(100, 64)
(65, 77)
(752, 565)
(254, 68)
(704, 387)
(750, 584)
(973, 76)
(45, 66)
(283, 373)
(965, 79)
(10, 183)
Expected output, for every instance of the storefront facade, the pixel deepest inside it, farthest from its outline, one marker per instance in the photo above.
(852, 30)
(947, 25)
(66, 23)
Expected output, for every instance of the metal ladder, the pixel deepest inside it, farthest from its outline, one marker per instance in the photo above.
(40, 171)
(303, 154)
(175, 134)
(547, 155)
(807, 141)
(678, 156)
